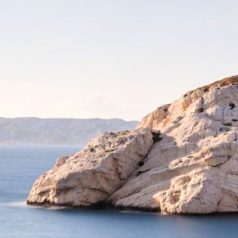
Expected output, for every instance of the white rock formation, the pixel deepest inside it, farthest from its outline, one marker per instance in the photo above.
(191, 168)
(91, 175)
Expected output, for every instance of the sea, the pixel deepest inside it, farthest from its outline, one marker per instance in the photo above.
(20, 166)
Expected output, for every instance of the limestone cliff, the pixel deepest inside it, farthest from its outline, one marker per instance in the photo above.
(92, 175)
(191, 166)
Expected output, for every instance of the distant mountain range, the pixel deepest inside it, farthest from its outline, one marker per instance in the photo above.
(36, 131)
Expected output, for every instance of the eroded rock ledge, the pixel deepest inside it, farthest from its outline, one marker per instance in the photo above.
(92, 175)
(182, 158)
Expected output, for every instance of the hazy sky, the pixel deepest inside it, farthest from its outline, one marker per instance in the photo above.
(108, 58)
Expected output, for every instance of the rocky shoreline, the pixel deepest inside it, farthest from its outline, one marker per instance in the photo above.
(181, 159)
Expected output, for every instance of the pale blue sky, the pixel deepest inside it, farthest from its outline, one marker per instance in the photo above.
(108, 58)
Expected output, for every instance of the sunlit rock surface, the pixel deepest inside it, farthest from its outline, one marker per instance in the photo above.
(90, 176)
(190, 167)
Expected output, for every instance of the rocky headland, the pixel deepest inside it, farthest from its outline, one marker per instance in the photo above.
(182, 158)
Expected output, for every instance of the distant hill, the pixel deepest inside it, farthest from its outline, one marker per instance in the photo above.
(36, 131)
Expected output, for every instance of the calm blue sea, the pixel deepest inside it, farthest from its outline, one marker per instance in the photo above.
(20, 166)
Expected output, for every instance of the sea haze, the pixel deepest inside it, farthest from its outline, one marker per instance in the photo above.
(59, 131)
(20, 166)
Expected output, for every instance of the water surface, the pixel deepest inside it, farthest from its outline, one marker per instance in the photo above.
(20, 166)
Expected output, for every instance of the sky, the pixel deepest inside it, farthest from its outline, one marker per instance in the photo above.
(108, 58)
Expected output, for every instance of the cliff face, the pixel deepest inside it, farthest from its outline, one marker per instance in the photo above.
(90, 176)
(191, 166)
